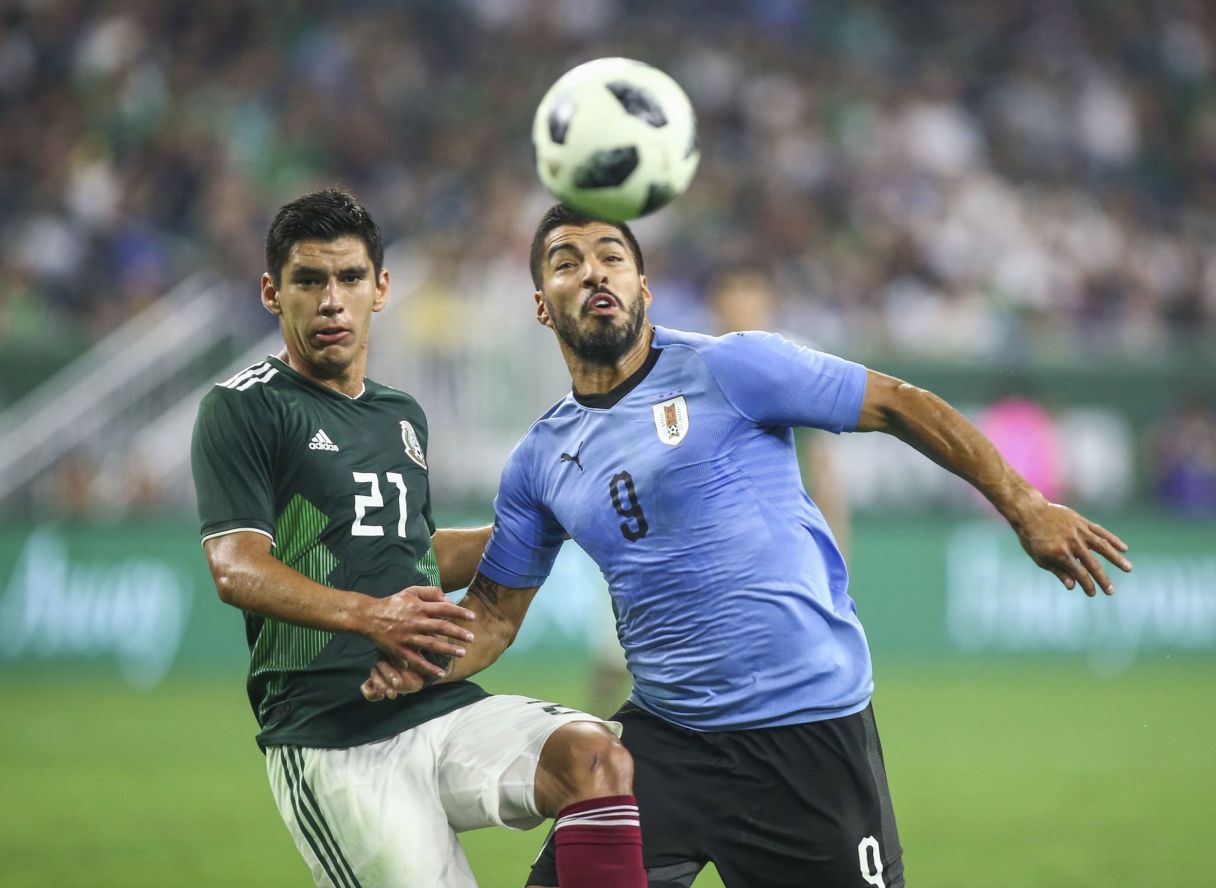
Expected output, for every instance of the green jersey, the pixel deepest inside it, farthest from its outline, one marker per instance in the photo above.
(340, 486)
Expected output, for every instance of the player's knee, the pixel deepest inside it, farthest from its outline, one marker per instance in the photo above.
(596, 761)
(582, 760)
(611, 766)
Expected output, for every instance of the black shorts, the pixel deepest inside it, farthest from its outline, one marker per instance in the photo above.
(804, 805)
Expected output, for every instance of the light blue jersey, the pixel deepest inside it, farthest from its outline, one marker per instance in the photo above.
(683, 486)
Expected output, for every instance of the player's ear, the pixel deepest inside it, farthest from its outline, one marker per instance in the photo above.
(382, 293)
(646, 297)
(270, 295)
(542, 310)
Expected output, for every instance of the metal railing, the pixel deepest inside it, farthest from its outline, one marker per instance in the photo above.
(130, 367)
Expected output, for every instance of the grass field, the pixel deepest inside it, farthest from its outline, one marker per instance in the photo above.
(1004, 772)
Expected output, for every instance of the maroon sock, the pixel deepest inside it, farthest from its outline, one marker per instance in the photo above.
(599, 844)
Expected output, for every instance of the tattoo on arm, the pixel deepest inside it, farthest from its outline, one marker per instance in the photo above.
(443, 661)
(486, 590)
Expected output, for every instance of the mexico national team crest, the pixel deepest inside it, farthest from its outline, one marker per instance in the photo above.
(412, 448)
(671, 420)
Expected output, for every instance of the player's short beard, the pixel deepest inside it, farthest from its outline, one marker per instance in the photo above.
(606, 342)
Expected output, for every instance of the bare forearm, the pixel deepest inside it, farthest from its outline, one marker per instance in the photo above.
(263, 585)
(479, 655)
(402, 625)
(457, 553)
(926, 422)
(1055, 537)
(500, 611)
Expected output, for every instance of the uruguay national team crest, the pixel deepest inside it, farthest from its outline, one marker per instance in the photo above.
(671, 420)
(412, 448)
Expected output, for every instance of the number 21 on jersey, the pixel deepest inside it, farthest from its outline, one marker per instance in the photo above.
(373, 500)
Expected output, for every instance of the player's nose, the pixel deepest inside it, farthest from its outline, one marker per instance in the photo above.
(331, 299)
(594, 273)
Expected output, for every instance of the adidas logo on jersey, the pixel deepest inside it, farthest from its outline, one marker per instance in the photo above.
(321, 441)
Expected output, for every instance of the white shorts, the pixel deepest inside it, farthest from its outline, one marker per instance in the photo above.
(386, 814)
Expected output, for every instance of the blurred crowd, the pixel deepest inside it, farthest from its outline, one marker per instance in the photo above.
(959, 178)
(988, 180)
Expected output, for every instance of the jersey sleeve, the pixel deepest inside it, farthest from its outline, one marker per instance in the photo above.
(231, 458)
(526, 537)
(773, 381)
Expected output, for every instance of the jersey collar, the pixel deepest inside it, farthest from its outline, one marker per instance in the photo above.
(610, 398)
(286, 368)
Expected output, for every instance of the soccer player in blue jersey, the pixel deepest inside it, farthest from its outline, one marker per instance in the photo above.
(672, 463)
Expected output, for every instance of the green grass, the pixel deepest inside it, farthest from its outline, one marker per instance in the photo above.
(1005, 772)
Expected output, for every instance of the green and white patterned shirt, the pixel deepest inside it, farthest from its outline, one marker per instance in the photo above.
(340, 486)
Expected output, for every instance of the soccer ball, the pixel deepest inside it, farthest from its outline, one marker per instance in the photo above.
(615, 139)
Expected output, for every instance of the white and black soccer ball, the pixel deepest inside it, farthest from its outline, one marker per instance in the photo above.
(616, 139)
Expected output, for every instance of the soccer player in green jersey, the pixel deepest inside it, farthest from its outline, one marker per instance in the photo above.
(316, 522)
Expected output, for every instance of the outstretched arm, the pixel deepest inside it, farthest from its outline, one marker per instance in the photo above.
(500, 612)
(1055, 537)
(417, 618)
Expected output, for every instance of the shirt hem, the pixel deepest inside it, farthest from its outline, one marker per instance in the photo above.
(329, 739)
(220, 533)
(508, 579)
(801, 717)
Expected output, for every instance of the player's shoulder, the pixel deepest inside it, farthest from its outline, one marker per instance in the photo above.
(545, 424)
(386, 393)
(252, 379)
(666, 337)
(719, 352)
(246, 400)
(543, 429)
(562, 407)
(246, 390)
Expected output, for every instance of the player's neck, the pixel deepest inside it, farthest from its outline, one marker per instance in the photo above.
(597, 379)
(348, 382)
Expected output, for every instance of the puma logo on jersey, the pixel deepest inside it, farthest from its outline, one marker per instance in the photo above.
(322, 441)
(567, 457)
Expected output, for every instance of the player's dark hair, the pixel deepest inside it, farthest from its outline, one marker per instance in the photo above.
(323, 216)
(559, 215)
